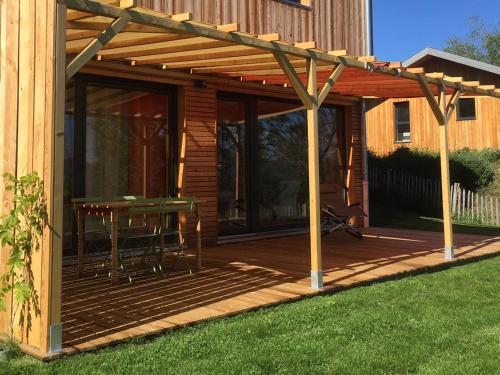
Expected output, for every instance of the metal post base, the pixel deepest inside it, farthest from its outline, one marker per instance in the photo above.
(317, 279)
(55, 338)
(449, 253)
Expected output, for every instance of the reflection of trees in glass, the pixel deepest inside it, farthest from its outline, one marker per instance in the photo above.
(283, 156)
(107, 154)
(231, 174)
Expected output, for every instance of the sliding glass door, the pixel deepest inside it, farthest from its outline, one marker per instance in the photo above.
(121, 140)
(262, 162)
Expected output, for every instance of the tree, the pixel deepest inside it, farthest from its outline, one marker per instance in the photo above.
(482, 42)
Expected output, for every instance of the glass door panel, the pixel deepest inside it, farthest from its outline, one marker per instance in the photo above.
(282, 164)
(126, 143)
(232, 167)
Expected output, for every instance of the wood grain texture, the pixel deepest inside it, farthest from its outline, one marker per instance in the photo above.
(334, 25)
(241, 277)
(198, 157)
(483, 132)
(27, 91)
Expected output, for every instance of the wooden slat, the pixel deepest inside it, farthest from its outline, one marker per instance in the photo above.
(241, 277)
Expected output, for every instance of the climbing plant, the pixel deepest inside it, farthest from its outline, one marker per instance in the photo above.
(21, 230)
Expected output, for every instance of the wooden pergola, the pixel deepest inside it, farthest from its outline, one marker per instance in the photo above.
(119, 31)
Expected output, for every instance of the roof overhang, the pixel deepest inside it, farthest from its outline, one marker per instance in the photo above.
(117, 30)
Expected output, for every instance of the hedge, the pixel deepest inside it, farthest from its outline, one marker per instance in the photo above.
(472, 169)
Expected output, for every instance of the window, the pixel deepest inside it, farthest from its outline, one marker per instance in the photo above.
(466, 109)
(402, 121)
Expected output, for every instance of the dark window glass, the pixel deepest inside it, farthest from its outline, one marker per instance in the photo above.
(231, 166)
(466, 109)
(402, 121)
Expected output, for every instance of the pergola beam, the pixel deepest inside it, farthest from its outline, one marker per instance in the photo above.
(250, 41)
(95, 46)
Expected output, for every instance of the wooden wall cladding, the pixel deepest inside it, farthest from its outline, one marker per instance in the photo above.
(334, 25)
(483, 132)
(354, 157)
(458, 70)
(198, 156)
(27, 94)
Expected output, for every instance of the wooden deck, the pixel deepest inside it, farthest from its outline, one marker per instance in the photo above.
(240, 277)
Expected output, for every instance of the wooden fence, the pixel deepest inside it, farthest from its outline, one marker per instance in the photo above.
(424, 194)
(470, 207)
(405, 189)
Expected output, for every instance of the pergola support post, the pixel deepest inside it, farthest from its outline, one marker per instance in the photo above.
(55, 251)
(442, 111)
(312, 100)
(313, 167)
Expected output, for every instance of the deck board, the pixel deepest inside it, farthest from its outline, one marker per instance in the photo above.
(241, 277)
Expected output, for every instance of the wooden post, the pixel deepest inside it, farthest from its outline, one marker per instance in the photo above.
(442, 111)
(445, 176)
(313, 161)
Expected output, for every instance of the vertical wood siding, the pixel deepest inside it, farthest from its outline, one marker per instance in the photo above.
(26, 118)
(483, 132)
(333, 24)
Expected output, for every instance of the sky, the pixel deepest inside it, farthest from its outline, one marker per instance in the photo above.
(402, 28)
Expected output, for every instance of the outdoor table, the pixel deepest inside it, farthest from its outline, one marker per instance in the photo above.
(115, 209)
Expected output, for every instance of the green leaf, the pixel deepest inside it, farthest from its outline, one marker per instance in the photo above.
(21, 291)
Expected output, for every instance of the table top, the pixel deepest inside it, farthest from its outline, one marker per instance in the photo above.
(129, 203)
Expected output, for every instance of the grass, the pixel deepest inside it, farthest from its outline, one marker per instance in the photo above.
(383, 215)
(446, 322)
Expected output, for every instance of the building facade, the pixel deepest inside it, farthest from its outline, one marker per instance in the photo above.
(409, 122)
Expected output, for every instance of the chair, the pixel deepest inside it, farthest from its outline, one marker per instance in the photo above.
(147, 225)
(335, 215)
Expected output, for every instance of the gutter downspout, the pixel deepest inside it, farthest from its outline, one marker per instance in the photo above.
(369, 28)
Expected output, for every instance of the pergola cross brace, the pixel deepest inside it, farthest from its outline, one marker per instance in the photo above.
(95, 46)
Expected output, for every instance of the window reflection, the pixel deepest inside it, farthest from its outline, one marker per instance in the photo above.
(231, 167)
(283, 160)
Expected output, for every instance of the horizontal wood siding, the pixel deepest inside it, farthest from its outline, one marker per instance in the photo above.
(332, 24)
(198, 156)
(484, 132)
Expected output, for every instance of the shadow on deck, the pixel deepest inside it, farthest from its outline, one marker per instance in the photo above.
(243, 276)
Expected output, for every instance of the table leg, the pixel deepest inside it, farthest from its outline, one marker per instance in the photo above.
(80, 219)
(198, 237)
(162, 236)
(114, 247)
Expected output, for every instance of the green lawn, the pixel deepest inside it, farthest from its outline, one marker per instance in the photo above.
(446, 322)
(383, 215)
